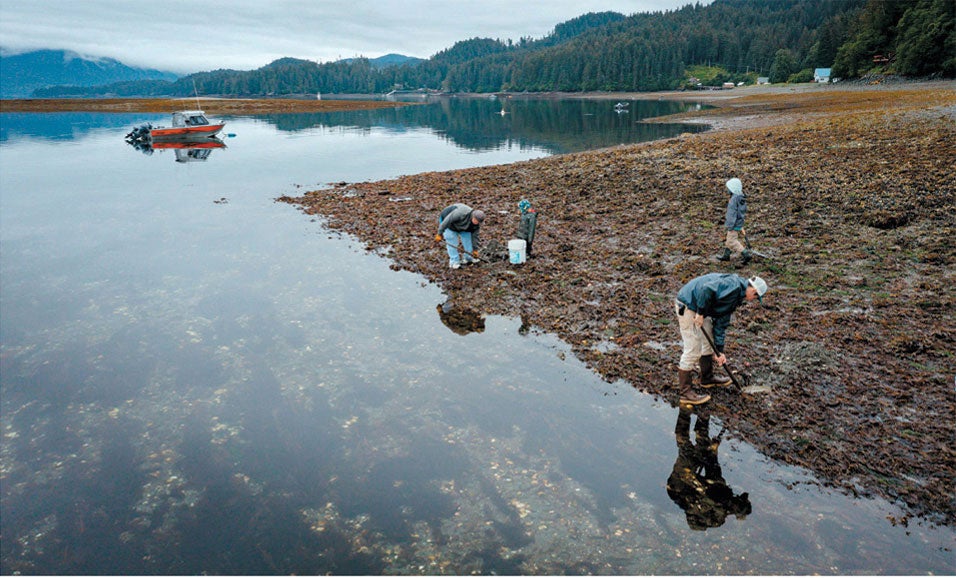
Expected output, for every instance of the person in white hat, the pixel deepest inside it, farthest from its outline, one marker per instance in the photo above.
(706, 304)
(734, 223)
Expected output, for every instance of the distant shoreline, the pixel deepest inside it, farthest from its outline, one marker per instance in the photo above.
(209, 105)
(216, 105)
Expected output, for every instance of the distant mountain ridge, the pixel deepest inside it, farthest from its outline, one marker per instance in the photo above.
(724, 42)
(23, 73)
(391, 59)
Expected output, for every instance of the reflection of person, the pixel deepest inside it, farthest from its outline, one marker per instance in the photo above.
(696, 483)
(706, 304)
(460, 319)
(734, 222)
(459, 222)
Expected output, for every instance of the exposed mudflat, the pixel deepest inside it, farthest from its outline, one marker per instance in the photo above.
(851, 195)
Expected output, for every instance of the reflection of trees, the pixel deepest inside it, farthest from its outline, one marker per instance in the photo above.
(62, 126)
(696, 483)
(559, 126)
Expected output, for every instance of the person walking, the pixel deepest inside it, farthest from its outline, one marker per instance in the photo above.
(734, 223)
(459, 222)
(706, 304)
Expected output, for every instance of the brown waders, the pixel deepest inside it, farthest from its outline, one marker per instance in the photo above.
(707, 376)
(687, 394)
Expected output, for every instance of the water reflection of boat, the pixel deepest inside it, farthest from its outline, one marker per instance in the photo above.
(186, 124)
(186, 149)
(190, 152)
(209, 143)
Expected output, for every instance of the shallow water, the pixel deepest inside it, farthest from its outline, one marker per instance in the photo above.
(198, 379)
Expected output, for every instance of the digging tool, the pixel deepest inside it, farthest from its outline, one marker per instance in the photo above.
(757, 253)
(727, 369)
(471, 254)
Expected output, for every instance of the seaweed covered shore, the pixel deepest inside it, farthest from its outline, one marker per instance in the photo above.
(851, 196)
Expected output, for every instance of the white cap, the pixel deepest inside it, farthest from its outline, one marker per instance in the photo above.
(735, 186)
(760, 285)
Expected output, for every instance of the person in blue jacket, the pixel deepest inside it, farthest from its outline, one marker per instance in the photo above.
(734, 223)
(459, 222)
(706, 304)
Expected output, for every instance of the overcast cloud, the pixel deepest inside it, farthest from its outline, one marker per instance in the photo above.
(186, 36)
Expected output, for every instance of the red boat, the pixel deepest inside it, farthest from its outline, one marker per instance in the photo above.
(189, 150)
(212, 143)
(187, 124)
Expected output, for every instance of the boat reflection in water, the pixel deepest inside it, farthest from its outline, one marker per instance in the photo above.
(187, 150)
(191, 137)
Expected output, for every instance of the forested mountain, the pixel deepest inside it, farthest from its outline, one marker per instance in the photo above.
(914, 37)
(24, 73)
(729, 40)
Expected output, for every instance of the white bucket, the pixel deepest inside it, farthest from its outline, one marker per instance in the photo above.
(516, 251)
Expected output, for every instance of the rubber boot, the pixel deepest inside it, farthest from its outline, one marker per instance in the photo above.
(687, 394)
(725, 256)
(746, 256)
(707, 377)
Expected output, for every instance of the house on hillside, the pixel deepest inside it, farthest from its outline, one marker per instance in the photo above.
(821, 75)
(763, 80)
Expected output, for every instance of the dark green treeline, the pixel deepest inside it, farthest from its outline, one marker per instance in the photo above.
(782, 39)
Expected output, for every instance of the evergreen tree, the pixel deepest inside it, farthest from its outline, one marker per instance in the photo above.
(784, 64)
(640, 52)
(926, 39)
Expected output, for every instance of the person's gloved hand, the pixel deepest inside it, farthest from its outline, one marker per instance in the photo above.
(474, 254)
(439, 238)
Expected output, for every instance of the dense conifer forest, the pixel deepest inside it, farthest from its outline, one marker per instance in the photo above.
(725, 41)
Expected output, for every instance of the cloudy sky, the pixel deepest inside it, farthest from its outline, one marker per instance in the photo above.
(185, 36)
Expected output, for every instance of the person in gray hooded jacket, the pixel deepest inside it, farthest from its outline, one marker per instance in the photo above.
(706, 304)
(734, 223)
(459, 222)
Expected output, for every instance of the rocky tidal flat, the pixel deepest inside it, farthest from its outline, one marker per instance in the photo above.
(851, 199)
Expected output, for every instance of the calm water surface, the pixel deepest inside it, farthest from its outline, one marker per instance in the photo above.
(196, 379)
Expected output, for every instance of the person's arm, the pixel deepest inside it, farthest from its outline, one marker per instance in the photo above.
(720, 331)
(731, 217)
(701, 303)
(443, 224)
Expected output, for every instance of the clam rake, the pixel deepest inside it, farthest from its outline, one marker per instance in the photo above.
(743, 376)
(462, 249)
(754, 251)
(473, 255)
